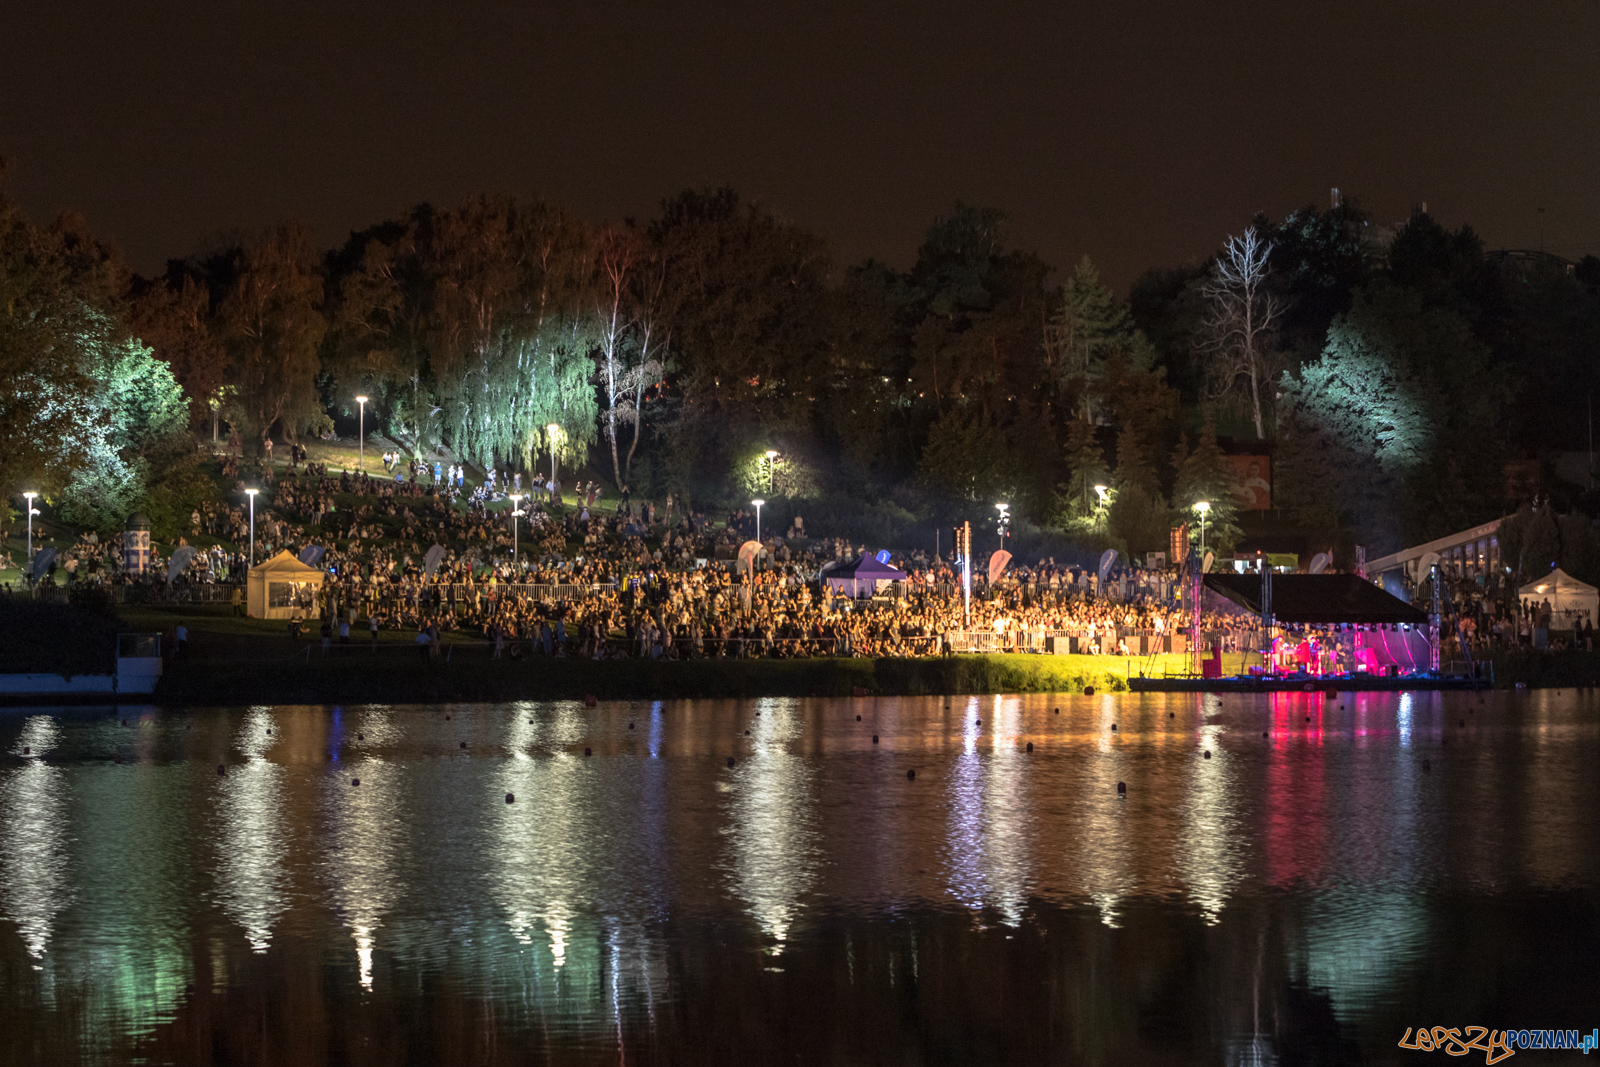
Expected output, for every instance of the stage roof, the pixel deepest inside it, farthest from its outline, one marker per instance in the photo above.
(1318, 599)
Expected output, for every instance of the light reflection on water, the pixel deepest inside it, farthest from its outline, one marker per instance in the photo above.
(648, 898)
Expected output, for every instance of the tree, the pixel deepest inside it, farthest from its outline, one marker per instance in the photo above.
(1086, 462)
(271, 322)
(1090, 325)
(1237, 335)
(47, 329)
(1202, 474)
(133, 410)
(625, 362)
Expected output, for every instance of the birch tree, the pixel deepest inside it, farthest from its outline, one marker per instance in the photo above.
(1238, 334)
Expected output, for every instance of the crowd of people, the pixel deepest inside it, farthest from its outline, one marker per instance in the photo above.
(419, 549)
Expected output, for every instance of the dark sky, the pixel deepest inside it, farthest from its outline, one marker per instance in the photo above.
(1137, 132)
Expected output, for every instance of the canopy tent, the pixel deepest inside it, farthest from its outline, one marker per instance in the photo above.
(284, 588)
(1318, 599)
(1571, 601)
(862, 578)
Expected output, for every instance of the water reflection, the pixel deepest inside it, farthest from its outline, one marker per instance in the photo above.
(251, 838)
(772, 822)
(34, 883)
(1289, 898)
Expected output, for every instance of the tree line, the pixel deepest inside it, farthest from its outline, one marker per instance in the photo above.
(1393, 375)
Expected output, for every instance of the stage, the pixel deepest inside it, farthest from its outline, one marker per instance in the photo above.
(1299, 683)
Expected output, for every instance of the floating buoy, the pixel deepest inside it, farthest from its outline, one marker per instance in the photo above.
(463, 744)
(747, 733)
(630, 726)
(1113, 727)
(858, 718)
(447, 718)
(589, 701)
(361, 737)
(1308, 718)
(874, 738)
(27, 750)
(911, 776)
(1171, 715)
(1208, 753)
(1263, 733)
(588, 752)
(730, 761)
(1058, 711)
(511, 798)
(1030, 746)
(1088, 690)
(355, 781)
(221, 769)
(1122, 789)
(977, 722)
(758, 715)
(1341, 707)
(269, 731)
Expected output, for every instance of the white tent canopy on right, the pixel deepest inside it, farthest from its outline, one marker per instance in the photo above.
(1570, 600)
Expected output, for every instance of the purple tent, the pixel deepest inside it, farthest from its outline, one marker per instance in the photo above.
(862, 578)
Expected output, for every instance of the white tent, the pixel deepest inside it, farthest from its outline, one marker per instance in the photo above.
(284, 588)
(1570, 600)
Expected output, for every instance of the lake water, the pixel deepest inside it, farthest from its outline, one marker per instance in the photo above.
(1377, 862)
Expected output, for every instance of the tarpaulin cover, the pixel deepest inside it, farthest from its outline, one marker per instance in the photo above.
(1319, 599)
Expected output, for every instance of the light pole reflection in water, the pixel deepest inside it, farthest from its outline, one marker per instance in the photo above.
(34, 882)
(772, 824)
(252, 841)
(990, 822)
(1211, 853)
(364, 828)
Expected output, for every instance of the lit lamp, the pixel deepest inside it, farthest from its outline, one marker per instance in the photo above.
(362, 435)
(772, 454)
(758, 504)
(251, 493)
(516, 509)
(31, 514)
(1005, 521)
(1203, 507)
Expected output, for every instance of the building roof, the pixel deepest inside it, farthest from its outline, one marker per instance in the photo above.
(1318, 599)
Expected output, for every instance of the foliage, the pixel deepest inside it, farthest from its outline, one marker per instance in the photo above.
(1202, 473)
(967, 457)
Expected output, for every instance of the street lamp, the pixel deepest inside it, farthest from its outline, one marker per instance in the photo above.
(758, 504)
(1004, 523)
(31, 514)
(516, 509)
(553, 429)
(772, 454)
(1202, 507)
(251, 493)
(362, 436)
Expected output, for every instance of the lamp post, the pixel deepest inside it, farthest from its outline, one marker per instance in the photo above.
(1203, 507)
(1004, 524)
(251, 493)
(758, 504)
(772, 455)
(516, 509)
(362, 435)
(31, 514)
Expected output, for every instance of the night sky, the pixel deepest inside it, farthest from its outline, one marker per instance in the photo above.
(1139, 133)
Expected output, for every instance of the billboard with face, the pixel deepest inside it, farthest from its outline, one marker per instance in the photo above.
(1252, 481)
